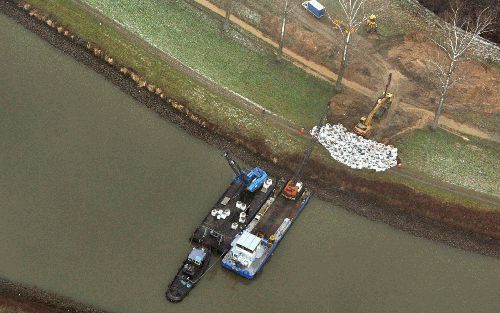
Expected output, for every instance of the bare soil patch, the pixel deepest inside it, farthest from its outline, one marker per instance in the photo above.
(473, 101)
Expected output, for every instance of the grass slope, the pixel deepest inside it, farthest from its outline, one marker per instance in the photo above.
(202, 101)
(195, 39)
(444, 156)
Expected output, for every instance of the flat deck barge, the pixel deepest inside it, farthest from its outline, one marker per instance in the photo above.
(229, 216)
(218, 233)
(253, 246)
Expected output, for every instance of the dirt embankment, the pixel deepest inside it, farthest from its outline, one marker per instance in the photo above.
(473, 7)
(474, 97)
(390, 203)
(336, 184)
(24, 299)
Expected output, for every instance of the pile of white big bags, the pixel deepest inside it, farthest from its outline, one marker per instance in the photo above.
(355, 151)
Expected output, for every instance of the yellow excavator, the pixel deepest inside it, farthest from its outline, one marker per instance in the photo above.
(364, 127)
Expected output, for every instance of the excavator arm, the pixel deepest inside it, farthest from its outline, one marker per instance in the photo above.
(365, 123)
(380, 103)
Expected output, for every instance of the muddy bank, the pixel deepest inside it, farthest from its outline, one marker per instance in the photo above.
(404, 209)
(33, 300)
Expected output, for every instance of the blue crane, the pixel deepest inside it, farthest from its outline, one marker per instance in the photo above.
(253, 179)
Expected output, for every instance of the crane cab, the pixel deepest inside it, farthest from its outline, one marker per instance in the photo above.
(293, 190)
(361, 128)
(255, 178)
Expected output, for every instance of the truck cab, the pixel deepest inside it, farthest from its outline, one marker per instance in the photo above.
(316, 8)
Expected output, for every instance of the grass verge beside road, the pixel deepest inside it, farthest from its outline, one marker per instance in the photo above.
(443, 156)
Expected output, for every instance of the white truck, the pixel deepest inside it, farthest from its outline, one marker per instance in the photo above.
(316, 8)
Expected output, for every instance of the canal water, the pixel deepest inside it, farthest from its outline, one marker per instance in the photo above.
(99, 196)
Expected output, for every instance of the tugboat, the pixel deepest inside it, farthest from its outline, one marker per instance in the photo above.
(253, 246)
(189, 274)
(244, 197)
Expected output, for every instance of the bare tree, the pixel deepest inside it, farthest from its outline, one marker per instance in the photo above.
(455, 39)
(228, 7)
(353, 17)
(283, 28)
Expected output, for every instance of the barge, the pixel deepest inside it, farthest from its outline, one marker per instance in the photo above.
(244, 197)
(253, 246)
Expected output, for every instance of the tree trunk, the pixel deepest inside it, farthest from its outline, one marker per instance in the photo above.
(439, 109)
(444, 91)
(343, 63)
(229, 4)
(283, 28)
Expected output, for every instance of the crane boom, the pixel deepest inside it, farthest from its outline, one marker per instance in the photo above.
(380, 103)
(365, 123)
(388, 83)
(294, 187)
(234, 165)
(310, 147)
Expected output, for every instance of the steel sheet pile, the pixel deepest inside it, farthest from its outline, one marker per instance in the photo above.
(353, 150)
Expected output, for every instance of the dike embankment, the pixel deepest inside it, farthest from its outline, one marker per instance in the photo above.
(391, 203)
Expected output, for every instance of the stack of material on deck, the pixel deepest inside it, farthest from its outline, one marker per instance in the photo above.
(353, 150)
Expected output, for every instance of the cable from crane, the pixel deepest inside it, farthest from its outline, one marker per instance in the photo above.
(310, 147)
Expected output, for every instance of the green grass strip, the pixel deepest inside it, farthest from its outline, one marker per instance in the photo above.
(443, 156)
(196, 39)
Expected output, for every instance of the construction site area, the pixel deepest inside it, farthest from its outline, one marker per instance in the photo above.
(223, 71)
(409, 137)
